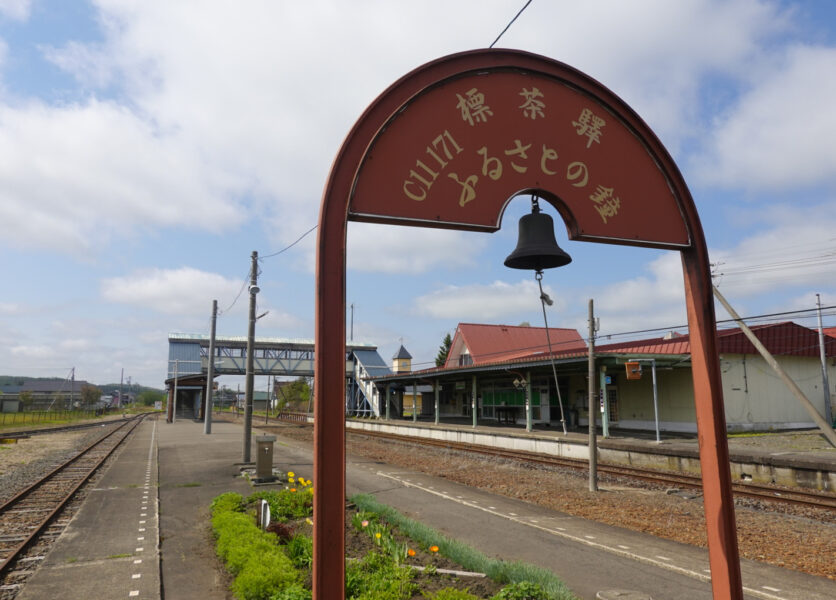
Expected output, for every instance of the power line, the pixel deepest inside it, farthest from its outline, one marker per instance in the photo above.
(511, 22)
(299, 239)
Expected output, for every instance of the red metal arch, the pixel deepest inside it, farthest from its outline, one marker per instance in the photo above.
(363, 185)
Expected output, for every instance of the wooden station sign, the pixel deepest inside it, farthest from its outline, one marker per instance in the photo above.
(455, 154)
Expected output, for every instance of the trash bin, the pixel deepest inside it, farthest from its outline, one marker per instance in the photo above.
(264, 457)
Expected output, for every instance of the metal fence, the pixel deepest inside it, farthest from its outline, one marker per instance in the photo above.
(46, 416)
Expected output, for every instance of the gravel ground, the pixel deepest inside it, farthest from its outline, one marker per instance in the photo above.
(794, 538)
(30, 458)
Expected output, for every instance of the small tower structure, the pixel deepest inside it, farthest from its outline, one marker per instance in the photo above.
(401, 361)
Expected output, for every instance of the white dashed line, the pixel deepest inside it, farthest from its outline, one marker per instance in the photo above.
(136, 575)
(133, 593)
(139, 549)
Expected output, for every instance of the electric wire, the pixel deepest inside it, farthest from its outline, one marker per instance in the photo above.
(299, 239)
(511, 22)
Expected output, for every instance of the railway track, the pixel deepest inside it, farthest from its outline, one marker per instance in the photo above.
(799, 497)
(29, 519)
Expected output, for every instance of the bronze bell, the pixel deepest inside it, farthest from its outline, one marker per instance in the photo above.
(537, 248)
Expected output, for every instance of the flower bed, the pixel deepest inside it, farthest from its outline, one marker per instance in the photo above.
(388, 557)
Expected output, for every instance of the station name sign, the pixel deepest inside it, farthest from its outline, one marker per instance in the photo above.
(456, 153)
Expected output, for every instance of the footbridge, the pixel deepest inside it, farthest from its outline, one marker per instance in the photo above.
(188, 357)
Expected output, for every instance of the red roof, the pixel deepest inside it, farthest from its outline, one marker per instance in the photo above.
(831, 331)
(786, 338)
(492, 343)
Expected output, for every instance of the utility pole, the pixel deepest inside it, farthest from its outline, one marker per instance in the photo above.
(121, 380)
(248, 389)
(828, 411)
(352, 323)
(210, 375)
(592, 406)
(72, 387)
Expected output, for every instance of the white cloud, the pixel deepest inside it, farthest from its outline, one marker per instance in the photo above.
(780, 134)
(484, 302)
(36, 352)
(71, 177)
(795, 250)
(170, 291)
(15, 9)
(644, 302)
(395, 249)
(655, 54)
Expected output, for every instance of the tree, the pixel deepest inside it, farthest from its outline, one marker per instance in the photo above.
(148, 397)
(90, 394)
(26, 399)
(443, 351)
(293, 395)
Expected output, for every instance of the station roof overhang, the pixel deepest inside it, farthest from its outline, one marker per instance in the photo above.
(573, 363)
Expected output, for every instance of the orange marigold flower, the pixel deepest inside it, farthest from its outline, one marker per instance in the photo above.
(411, 552)
(292, 489)
(433, 548)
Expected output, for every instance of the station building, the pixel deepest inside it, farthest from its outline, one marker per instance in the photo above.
(494, 369)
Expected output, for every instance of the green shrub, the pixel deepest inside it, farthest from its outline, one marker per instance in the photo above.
(259, 564)
(286, 505)
(524, 590)
(300, 551)
(295, 591)
(263, 575)
(377, 577)
(451, 594)
(229, 501)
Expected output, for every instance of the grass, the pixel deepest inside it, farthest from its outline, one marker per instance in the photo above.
(469, 558)
(123, 555)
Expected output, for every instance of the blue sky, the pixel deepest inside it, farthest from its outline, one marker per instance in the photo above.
(147, 148)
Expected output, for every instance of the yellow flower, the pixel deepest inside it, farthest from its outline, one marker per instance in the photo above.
(291, 474)
(377, 535)
(308, 521)
(290, 479)
(433, 548)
